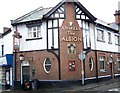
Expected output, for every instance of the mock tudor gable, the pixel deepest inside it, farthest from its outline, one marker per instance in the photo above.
(59, 11)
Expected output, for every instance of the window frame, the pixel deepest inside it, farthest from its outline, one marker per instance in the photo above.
(117, 41)
(118, 61)
(109, 38)
(102, 59)
(100, 35)
(44, 65)
(91, 62)
(36, 32)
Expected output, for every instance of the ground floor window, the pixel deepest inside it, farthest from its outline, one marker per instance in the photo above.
(47, 65)
(91, 63)
(118, 60)
(102, 63)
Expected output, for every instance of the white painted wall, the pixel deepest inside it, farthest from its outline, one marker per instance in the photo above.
(42, 43)
(32, 44)
(105, 46)
(97, 45)
(1, 43)
(8, 43)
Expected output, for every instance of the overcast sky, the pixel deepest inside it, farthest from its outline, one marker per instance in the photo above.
(12, 9)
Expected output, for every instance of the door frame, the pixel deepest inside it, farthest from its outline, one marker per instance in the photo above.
(24, 64)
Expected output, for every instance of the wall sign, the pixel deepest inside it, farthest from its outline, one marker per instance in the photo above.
(71, 65)
(71, 35)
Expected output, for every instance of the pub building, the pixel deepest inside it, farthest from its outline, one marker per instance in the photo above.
(65, 43)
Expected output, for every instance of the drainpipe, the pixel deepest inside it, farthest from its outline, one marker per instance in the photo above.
(96, 65)
(96, 59)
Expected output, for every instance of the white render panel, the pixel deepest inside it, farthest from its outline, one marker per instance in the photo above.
(32, 44)
(61, 22)
(49, 23)
(92, 36)
(55, 38)
(49, 38)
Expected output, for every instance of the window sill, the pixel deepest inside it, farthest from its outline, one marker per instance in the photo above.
(101, 41)
(102, 70)
(117, 44)
(109, 42)
(33, 39)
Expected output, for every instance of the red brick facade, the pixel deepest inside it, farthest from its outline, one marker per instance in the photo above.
(70, 33)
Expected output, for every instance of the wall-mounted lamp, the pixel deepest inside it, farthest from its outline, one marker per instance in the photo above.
(110, 59)
(21, 57)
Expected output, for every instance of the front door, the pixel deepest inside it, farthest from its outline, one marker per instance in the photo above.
(25, 73)
(111, 70)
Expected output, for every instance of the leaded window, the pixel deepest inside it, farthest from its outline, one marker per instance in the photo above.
(34, 32)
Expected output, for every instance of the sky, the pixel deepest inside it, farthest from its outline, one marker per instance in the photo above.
(12, 9)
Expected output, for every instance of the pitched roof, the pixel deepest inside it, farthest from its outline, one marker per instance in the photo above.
(41, 13)
(112, 26)
(36, 14)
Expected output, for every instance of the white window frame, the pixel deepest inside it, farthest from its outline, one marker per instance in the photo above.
(100, 35)
(44, 65)
(102, 59)
(117, 41)
(34, 32)
(109, 38)
(91, 61)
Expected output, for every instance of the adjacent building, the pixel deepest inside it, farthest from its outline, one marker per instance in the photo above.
(6, 59)
(48, 43)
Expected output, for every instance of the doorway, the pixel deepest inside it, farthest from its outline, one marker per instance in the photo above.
(111, 70)
(25, 73)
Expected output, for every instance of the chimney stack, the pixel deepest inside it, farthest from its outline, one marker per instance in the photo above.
(117, 14)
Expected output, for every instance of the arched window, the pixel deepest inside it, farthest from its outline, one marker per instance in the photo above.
(47, 65)
(91, 63)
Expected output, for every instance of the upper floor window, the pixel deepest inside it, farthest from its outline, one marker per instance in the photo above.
(34, 32)
(100, 35)
(109, 37)
(117, 39)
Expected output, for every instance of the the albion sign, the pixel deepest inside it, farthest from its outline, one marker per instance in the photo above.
(71, 35)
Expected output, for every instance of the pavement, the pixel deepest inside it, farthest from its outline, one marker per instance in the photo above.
(70, 89)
